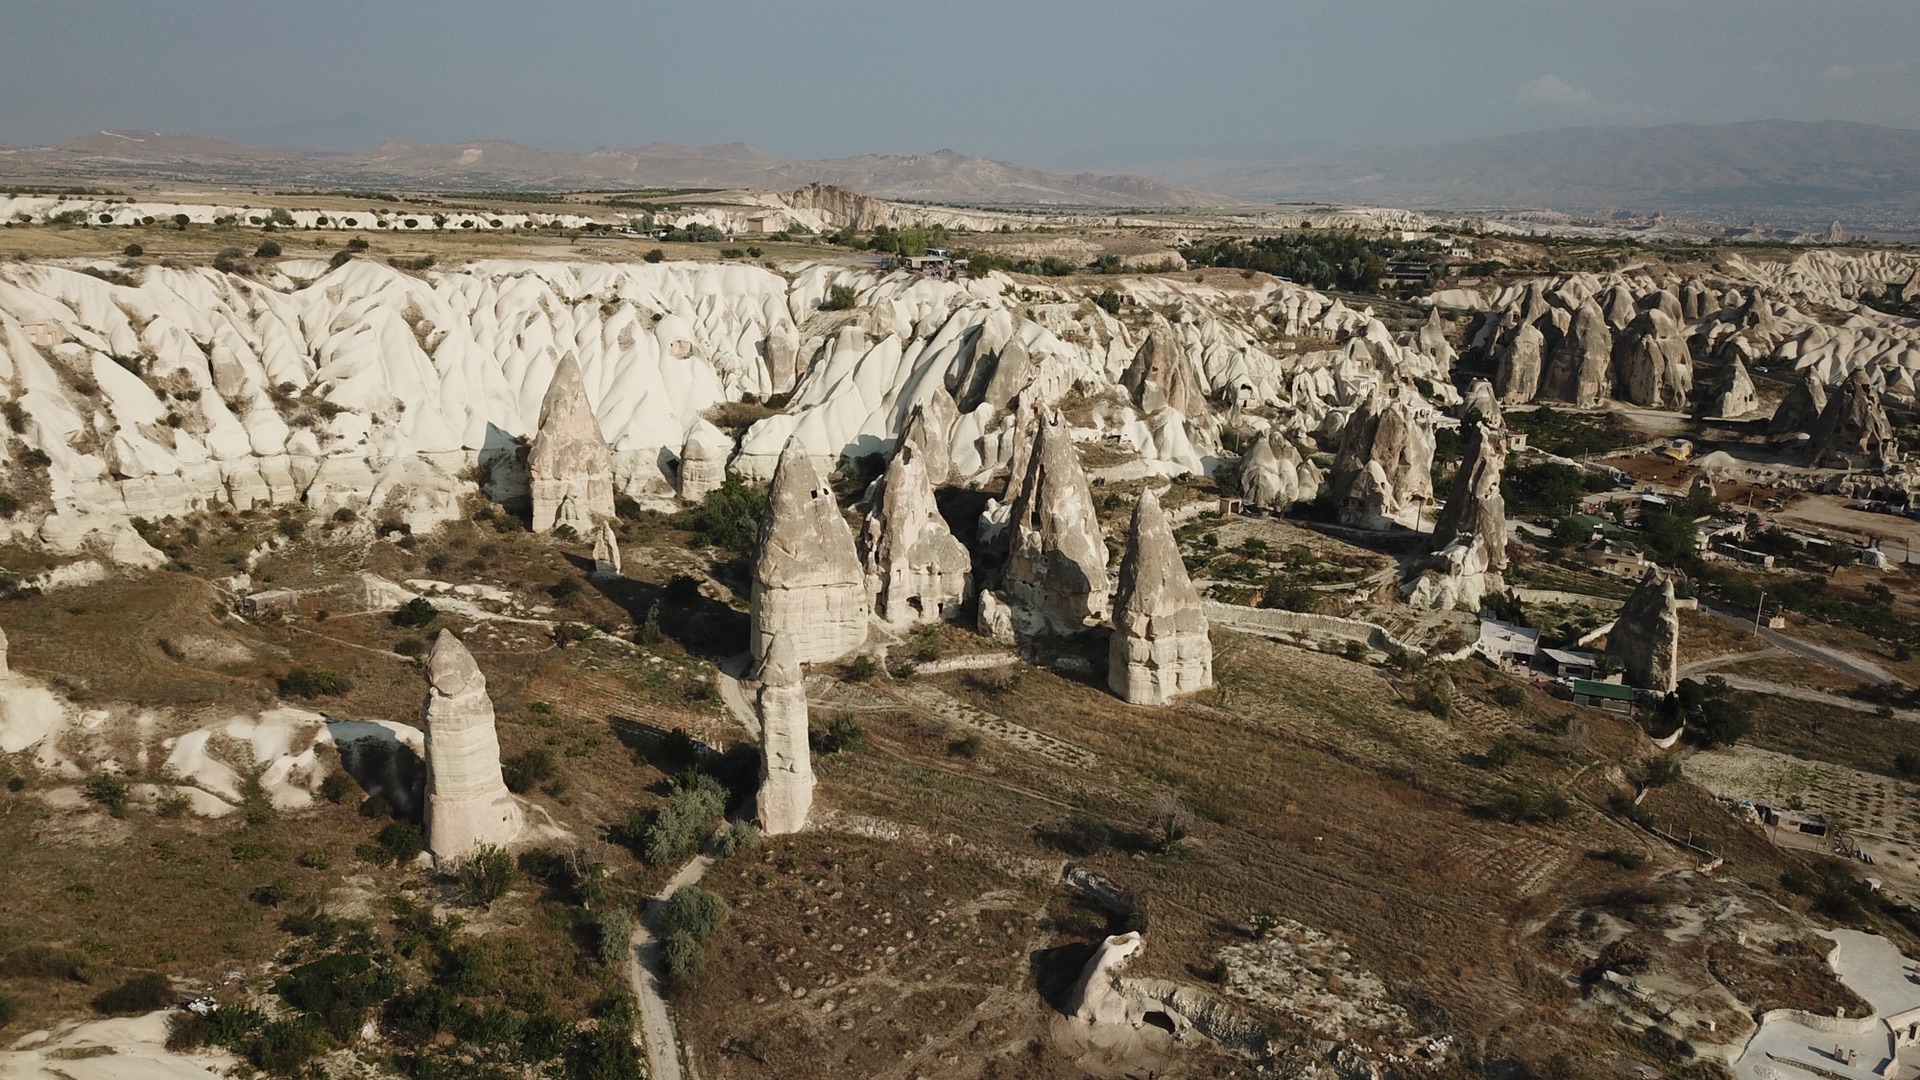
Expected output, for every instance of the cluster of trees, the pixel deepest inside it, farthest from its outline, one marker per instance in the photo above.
(1328, 260)
(911, 240)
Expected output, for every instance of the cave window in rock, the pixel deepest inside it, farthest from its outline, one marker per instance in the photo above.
(1160, 1020)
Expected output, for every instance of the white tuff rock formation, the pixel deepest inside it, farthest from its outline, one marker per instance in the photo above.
(606, 552)
(1472, 528)
(703, 460)
(1646, 636)
(1056, 572)
(1518, 377)
(1159, 647)
(1853, 429)
(570, 467)
(1580, 369)
(786, 770)
(807, 581)
(1100, 997)
(1383, 475)
(1651, 359)
(467, 801)
(1273, 475)
(916, 571)
(1734, 396)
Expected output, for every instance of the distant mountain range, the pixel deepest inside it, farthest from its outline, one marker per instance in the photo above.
(1776, 171)
(944, 176)
(1773, 171)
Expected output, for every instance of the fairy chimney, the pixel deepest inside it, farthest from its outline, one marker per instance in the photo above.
(570, 468)
(1159, 648)
(467, 801)
(807, 581)
(786, 771)
(916, 571)
(1056, 571)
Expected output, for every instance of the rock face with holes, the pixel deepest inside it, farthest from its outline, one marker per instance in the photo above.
(570, 467)
(1580, 369)
(1159, 648)
(1160, 377)
(916, 571)
(703, 460)
(786, 770)
(1472, 528)
(1734, 396)
(1383, 475)
(1800, 409)
(1853, 429)
(1646, 636)
(807, 581)
(467, 801)
(1651, 361)
(1056, 575)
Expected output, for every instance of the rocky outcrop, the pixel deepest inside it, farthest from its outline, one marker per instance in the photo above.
(467, 801)
(570, 467)
(1654, 368)
(1012, 371)
(1517, 379)
(4, 669)
(1472, 527)
(929, 431)
(1853, 430)
(1580, 369)
(1646, 636)
(1383, 475)
(1100, 996)
(1800, 409)
(1617, 304)
(1733, 395)
(1056, 575)
(786, 769)
(606, 552)
(783, 358)
(1161, 377)
(1273, 475)
(1432, 340)
(703, 461)
(1160, 648)
(807, 581)
(916, 571)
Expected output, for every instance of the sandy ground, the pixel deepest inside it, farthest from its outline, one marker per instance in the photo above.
(1896, 534)
(131, 1048)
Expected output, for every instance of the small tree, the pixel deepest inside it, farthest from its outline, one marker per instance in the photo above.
(180, 222)
(1108, 301)
(840, 298)
(133, 251)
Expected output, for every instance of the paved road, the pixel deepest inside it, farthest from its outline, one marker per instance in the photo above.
(1844, 662)
(656, 1023)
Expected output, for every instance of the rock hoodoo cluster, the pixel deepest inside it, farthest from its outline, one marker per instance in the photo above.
(1160, 377)
(1160, 648)
(1853, 429)
(807, 581)
(467, 800)
(1646, 636)
(570, 467)
(1274, 476)
(1580, 367)
(916, 571)
(1800, 409)
(786, 770)
(1472, 527)
(1654, 367)
(1056, 575)
(1383, 475)
(1518, 377)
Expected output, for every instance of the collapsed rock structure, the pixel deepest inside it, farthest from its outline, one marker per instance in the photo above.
(1056, 574)
(916, 571)
(467, 800)
(1159, 648)
(1383, 475)
(807, 580)
(786, 769)
(1646, 635)
(570, 467)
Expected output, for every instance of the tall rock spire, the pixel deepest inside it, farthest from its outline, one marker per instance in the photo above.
(786, 770)
(916, 571)
(807, 581)
(467, 801)
(1057, 563)
(1472, 528)
(1646, 636)
(1159, 647)
(570, 467)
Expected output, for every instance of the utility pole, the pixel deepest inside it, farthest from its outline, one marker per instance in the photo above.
(1756, 612)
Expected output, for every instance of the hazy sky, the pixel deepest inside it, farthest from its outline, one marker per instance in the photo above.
(1060, 84)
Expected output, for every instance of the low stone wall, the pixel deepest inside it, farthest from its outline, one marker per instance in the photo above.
(1556, 596)
(1307, 625)
(1832, 1025)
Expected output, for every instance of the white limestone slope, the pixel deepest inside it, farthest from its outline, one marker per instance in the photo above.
(368, 387)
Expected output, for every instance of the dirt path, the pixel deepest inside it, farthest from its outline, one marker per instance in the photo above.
(643, 971)
(1844, 662)
(1699, 666)
(1817, 697)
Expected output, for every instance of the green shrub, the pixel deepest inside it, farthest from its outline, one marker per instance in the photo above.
(400, 842)
(109, 791)
(288, 1045)
(682, 960)
(604, 1052)
(485, 875)
(841, 733)
(860, 669)
(680, 827)
(1436, 699)
(613, 935)
(1108, 301)
(138, 996)
(338, 990)
(415, 613)
(692, 911)
(655, 255)
(314, 682)
(730, 516)
(273, 893)
(133, 251)
(739, 836)
(1625, 860)
(1504, 753)
(525, 770)
(1662, 771)
(268, 250)
(840, 298)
